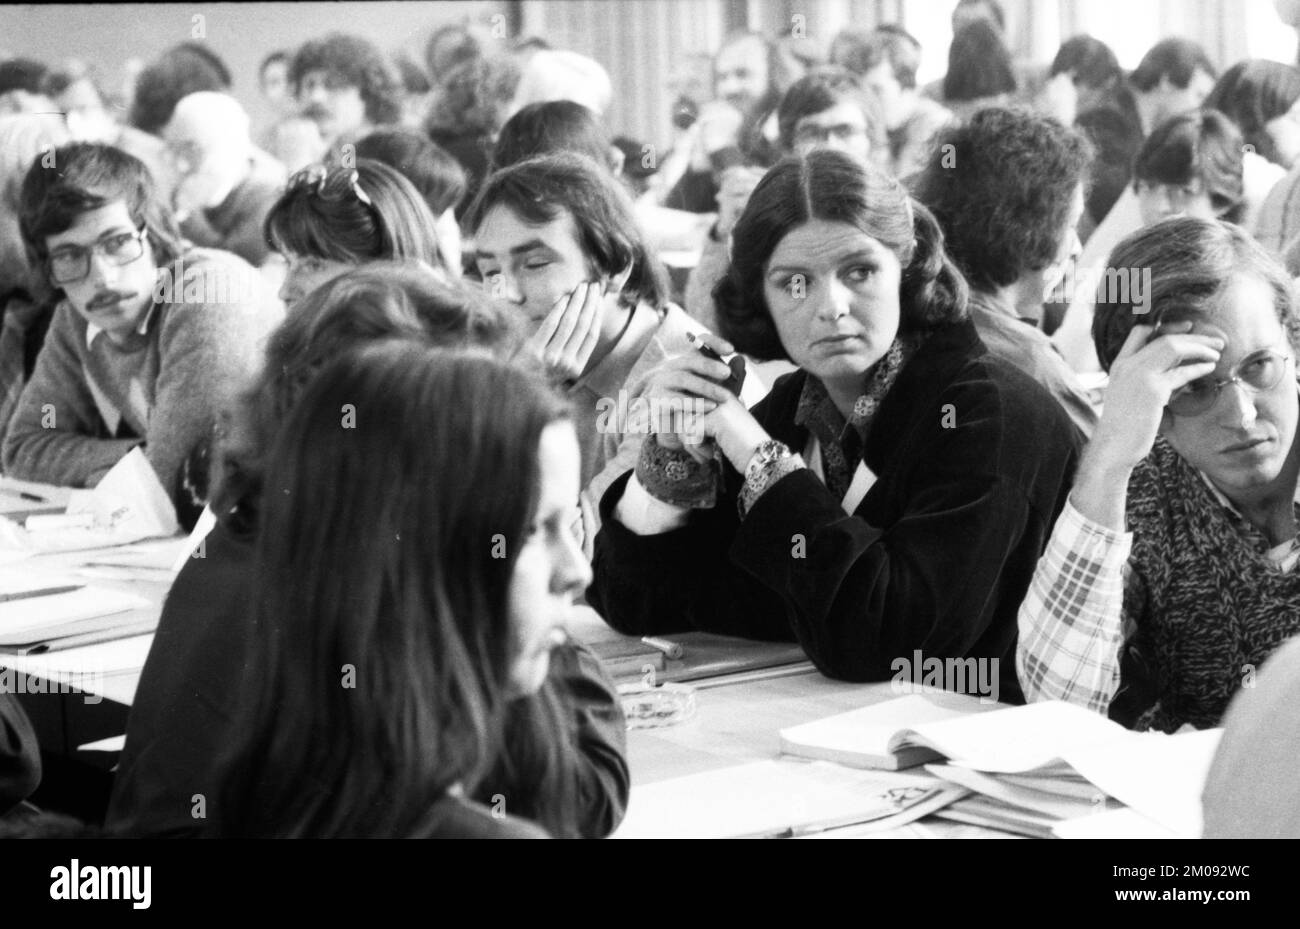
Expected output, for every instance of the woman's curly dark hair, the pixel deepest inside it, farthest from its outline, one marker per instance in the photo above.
(1001, 188)
(831, 186)
(475, 97)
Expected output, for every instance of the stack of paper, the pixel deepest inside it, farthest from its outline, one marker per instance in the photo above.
(1031, 767)
(43, 618)
(779, 799)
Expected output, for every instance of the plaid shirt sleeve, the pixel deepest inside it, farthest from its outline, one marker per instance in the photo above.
(1071, 622)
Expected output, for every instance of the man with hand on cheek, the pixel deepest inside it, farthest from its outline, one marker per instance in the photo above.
(556, 237)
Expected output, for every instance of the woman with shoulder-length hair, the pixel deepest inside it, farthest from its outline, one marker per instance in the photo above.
(562, 759)
(889, 497)
(390, 631)
(1171, 573)
(331, 219)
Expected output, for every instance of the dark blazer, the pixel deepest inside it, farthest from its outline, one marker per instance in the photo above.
(973, 462)
(190, 685)
(20, 757)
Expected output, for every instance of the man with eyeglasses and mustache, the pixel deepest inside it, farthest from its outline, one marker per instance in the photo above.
(149, 340)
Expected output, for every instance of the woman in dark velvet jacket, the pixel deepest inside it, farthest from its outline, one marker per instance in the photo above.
(562, 750)
(891, 496)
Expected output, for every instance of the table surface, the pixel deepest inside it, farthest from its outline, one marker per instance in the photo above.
(737, 719)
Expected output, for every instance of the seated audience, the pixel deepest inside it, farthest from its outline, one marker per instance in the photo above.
(1251, 789)
(329, 220)
(1194, 164)
(1087, 89)
(26, 304)
(827, 108)
(22, 87)
(731, 129)
(224, 185)
(180, 71)
(886, 60)
(1263, 98)
(1191, 166)
(1173, 564)
(899, 457)
(556, 239)
(473, 104)
(1084, 75)
(344, 85)
(436, 175)
(1007, 190)
(190, 686)
(375, 712)
(81, 100)
(551, 75)
(980, 71)
(149, 339)
(556, 126)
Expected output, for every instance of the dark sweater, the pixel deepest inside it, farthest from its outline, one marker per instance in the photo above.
(937, 556)
(190, 685)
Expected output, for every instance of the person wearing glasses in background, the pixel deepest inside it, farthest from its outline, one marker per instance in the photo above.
(149, 338)
(1171, 573)
(330, 220)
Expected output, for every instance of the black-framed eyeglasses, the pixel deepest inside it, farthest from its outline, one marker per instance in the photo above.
(1258, 372)
(317, 178)
(71, 263)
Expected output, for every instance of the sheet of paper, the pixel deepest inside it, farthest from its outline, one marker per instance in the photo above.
(129, 497)
(36, 616)
(1022, 738)
(1123, 823)
(102, 660)
(761, 798)
(868, 730)
(1160, 776)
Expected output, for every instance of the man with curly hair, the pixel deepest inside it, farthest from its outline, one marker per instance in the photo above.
(343, 83)
(1008, 191)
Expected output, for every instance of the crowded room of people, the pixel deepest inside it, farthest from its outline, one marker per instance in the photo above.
(650, 419)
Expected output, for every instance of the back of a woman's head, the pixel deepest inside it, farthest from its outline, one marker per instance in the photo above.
(437, 176)
(979, 64)
(382, 301)
(554, 126)
(1089, 61)
(331, 219)
(1199, 146)
(380, 602)
(831, 186)
(1177, 269)
(1252, 93)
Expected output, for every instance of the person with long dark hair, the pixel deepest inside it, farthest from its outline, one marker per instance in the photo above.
(891, 496)
(561, 761)
(415, 569)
